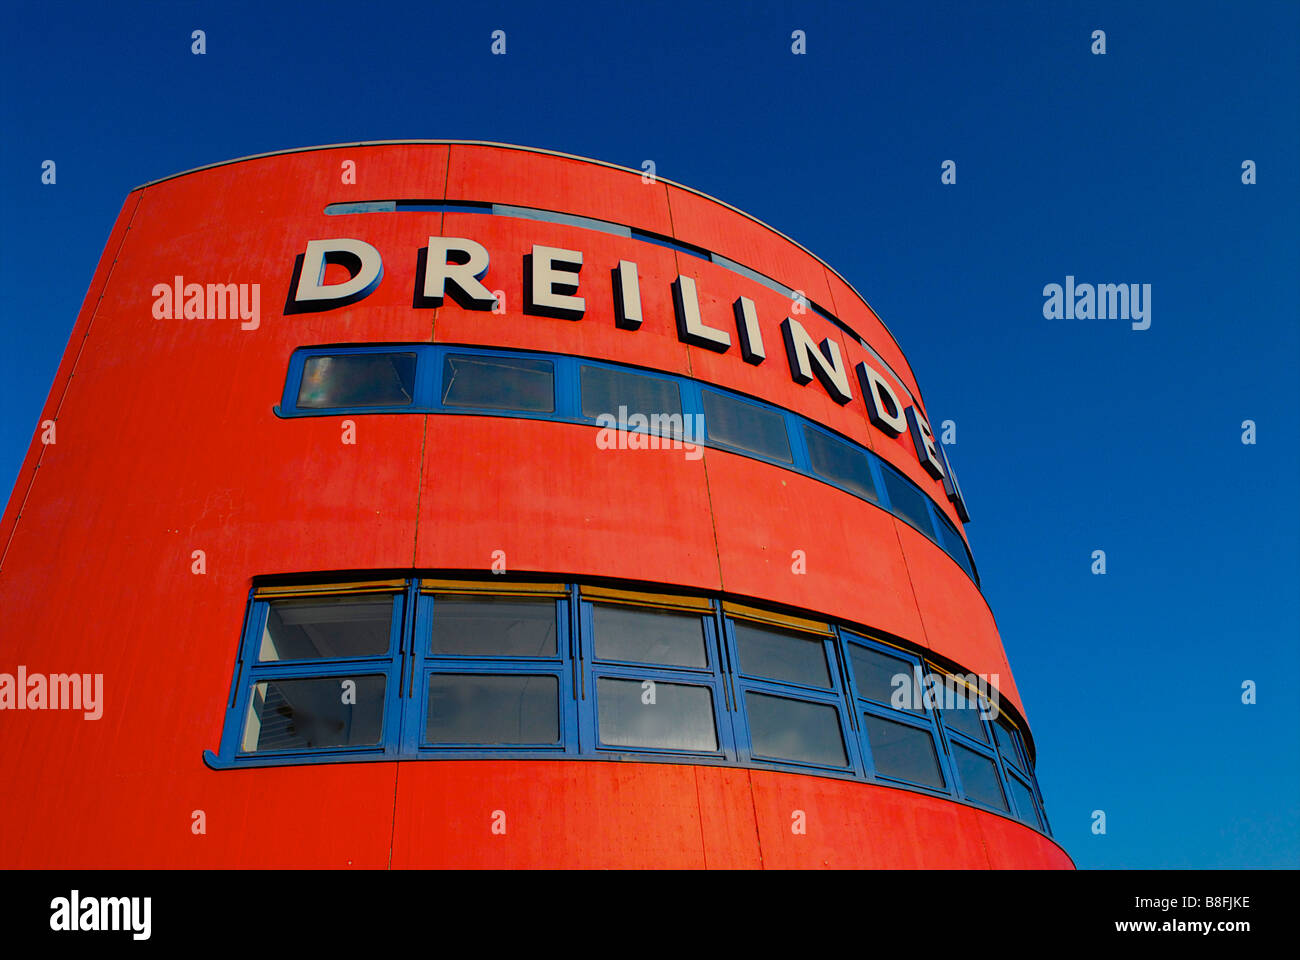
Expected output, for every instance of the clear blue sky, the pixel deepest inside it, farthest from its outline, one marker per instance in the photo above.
(1073, 435)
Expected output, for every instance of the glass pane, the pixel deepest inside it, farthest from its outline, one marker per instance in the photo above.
(605, 390)
(979, 777)
(903, 752)
(907, 501)
(746, 426)
(839, 462)
(885, 679)
(498, 383)
(780, 655)
(651, 713)
(649, 636)
(324, 627)
(316, 712)
(795, 730)
(358, 380)
(953, 544)
(501, 709)
(966, 720)
(1006, 738)
(492, 627)
(1026, 810)
(962, 709)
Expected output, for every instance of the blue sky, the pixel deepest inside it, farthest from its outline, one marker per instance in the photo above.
(1073, 435)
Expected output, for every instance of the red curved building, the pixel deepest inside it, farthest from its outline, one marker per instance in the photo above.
(457, 504)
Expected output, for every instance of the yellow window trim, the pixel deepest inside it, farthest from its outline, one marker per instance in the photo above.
(954, 678)
(848, 633)
(328, 589)
(488, 588)
(635, 598)
(775, 619)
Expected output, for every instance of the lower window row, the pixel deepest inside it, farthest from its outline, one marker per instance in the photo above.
(434, 668)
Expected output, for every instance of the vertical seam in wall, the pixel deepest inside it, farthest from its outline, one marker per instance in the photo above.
(753, 806)
(67, 384)
(699, 811)
(392, 836)
(424, 430)
(419, 492)
(910, 585)
(704, 454)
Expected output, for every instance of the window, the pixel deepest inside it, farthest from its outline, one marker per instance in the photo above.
(492, 667)
(841, 463)
(787, 683)
(498, 383)
(468, 626)
(492, 710)
(785, 729)
(649, 713)
(1026, 807)
(746, 426)
(952, 543)
(901, 751)
(311, 713)
(649, 636)
(979, 777)
(358, 380)
(885, 679)
(906, 501)
(898, 729)
(419, 668)
(605, 390)
(655, 678)
(319, 670)
(781, 655)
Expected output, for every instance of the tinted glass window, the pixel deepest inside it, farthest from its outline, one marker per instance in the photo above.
(907, 501)
(498, 383)
(784, 729)
(502, 709)
(965, 718)
(839, 462)
(953, 544)
(605, 390)
(312, 713)
(885, 679)
(1006, 738)
(649, 636)
(902, 752)
(327, 627)
(358, 380)
(493, 627)
(1025, 807)
(651, 713)
(781, 655)
(979, 777)
(746, 426)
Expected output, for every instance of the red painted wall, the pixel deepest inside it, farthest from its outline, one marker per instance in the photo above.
(166, 444)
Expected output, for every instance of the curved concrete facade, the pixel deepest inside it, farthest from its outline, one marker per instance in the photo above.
(167, 443)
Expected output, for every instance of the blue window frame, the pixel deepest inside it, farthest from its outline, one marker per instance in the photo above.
(317, 674)
(334, 380)
(899, 738)
(429, 669)
(789, 691)
(488, 671)
(652, 667)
